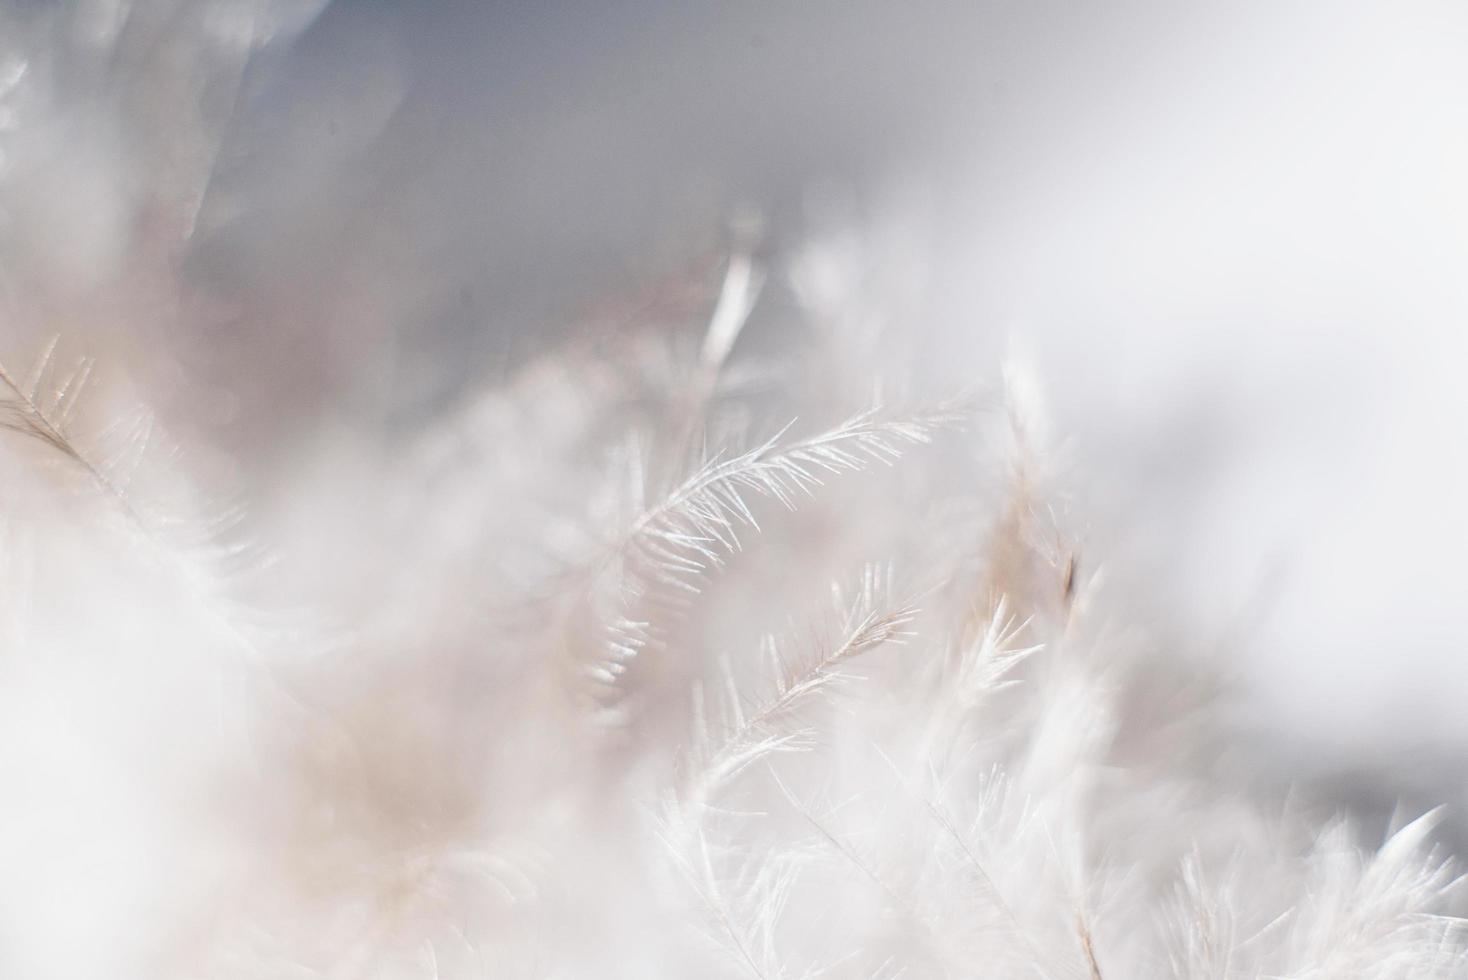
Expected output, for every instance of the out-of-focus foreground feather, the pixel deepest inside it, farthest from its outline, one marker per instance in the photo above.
(713, 644)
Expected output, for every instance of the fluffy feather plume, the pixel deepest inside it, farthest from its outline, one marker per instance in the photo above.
(883, 723)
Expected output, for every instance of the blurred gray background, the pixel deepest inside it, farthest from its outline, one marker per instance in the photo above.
(1230, 241)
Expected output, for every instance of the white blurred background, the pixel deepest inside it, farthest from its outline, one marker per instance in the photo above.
(1231, 239)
